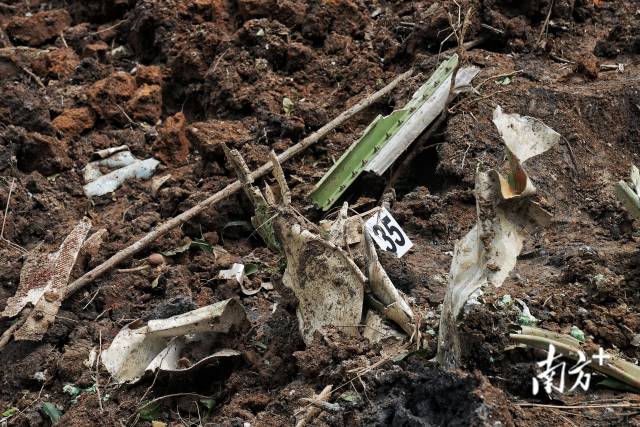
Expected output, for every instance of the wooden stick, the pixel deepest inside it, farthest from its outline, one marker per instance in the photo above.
(314, 411)
(321, 404)
(232, 188)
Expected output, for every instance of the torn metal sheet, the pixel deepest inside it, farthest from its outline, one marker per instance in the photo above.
(123, 166)
(139, 348)
(328, 284)
(426, 112)
(344, 230)
(506, 214)
(325, 280)
(524, 137)
(629, 196)
(396, 307)
(43, 283)
(386, 138)
(376, 330)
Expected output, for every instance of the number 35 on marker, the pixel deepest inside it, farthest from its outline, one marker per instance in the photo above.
(387, 233)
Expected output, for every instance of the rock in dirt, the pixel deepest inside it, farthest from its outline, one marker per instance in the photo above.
(207, 136)
(172, 146)
(109, 96)
(73, 121)
(37, 152)
(39, 28)
(146, 103)
(56, 63)
(149, 74)
(20, 106)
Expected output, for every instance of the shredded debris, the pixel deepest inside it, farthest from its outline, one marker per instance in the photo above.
(123, 166)
(387, 138)
(140, 348)
(43, 283)
(486, 255)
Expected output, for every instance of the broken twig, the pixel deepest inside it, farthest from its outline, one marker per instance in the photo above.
(314, 411)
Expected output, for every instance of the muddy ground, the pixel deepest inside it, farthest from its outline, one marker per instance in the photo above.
(173, 79)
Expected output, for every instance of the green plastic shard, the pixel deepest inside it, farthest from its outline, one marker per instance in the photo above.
(342, 174)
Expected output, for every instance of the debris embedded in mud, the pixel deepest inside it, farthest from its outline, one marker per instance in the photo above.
(158, 345)
(505, 211)
(571, 347)
(629, 196)
(228, 66)
(386, 138)
(44, 280)
(123, 166)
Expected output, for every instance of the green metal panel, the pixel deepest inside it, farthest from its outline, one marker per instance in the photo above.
(342, 174)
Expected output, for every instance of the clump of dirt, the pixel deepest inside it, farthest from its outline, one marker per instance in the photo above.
(423, 396)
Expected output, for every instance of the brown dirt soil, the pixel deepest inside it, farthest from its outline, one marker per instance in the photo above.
(173, 79)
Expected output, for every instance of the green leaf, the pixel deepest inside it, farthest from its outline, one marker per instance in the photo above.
(71, 389)
(504, 82)
(250, 269)
(202, 244)
(178, 250)
(149, 410)
(351, 396)
(208, 403)
(9, 412)
(51, 411)
(287, 106)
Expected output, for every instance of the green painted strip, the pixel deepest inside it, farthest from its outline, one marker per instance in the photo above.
(342, 174)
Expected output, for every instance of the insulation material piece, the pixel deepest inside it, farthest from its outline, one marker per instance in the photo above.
(235, 272)
(123, 166)
(43, 283)
(139, 348)
(506, 214)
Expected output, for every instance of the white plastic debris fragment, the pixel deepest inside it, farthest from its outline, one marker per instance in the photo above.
(43, 283)
(123, 166)
(158, 182)
(235, 272)
(418, 122)
(139, 348)
(486, 255)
